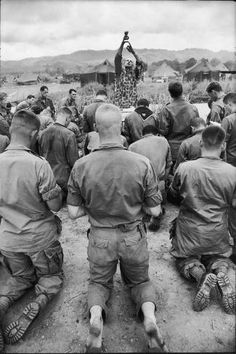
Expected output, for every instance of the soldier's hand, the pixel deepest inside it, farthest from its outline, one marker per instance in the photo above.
(130, 48)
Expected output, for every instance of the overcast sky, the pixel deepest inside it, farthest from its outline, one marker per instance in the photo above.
(40, 28)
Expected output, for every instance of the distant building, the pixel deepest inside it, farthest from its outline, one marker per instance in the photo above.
(69, 77)
(204, 70)
(103, 73)
(28, 79)
(164, 73)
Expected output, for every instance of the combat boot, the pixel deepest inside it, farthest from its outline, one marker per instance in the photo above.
(16, 330)
(5, 303)
(225, 289)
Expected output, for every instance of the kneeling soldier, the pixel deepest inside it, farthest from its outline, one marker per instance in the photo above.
(29, 230)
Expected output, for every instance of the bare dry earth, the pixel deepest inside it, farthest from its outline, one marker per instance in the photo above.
(63, 326)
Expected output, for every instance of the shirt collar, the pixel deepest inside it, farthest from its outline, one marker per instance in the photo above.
(108, 146)
(211, 157)
(17, 147)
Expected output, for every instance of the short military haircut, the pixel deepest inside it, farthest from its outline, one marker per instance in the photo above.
(197, 122)
(101, 93)
(43, 88)
(230, 97)
(175, 89)
(72, 90)
(64, 111)
(30, 96)
(143, 102)
(107, 108)
(212, 137)
(214, 85)
(25, 120)
(150, 129)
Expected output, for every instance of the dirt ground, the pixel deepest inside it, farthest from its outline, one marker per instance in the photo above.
(63, 326)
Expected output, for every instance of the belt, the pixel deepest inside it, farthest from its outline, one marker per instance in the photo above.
(122, 227)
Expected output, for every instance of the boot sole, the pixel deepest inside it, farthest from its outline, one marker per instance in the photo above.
(16, 330)
(202, 298)
(227, 293)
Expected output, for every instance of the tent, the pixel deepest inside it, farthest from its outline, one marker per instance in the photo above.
(203, 70)
(28, 79)
(103, 73)
(164, 72)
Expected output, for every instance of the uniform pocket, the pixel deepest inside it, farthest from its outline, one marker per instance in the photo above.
(135, 249)
(54, 255)
(98, 252)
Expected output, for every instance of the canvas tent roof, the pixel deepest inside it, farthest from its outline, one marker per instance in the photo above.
(164, 70)
(104, 67)
(220, 67)
(28, 77)
(201, 66)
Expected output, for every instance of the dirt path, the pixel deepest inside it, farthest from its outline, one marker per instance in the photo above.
(63, 327)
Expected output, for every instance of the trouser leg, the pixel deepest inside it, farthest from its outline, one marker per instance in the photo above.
(48, 267)
(232, 230)
(190, 268)
(102, 259)
(21, 274)
(134, 264)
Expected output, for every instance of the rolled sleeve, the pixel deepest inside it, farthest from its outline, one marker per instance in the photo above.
(152, 196)
(74, 196)
(47, 187)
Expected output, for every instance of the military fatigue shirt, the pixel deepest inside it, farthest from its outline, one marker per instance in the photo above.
(157, 150)
(113, 185)
(217, 112)
(4, 141)
(44, 102)
(58, 145)
(229, 125)
(189, 149)
(134, 124)
(174, 121)
(208, 188)
(89, 115)
(26, 183)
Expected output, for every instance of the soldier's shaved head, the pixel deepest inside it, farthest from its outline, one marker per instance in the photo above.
(108, 120)
(24, 122)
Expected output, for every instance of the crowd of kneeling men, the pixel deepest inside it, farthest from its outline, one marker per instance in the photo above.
(129, 170)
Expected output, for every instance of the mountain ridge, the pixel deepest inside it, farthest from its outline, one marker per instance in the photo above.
(81, 59)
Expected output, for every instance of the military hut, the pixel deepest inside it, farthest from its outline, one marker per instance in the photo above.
(103, 73)
(28, 79)
(204, 70)
(164, 72)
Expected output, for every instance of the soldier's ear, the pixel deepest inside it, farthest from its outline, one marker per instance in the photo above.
(34, 134)
(223, 146)
(95, 127)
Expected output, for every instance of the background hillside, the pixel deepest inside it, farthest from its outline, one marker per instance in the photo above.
(80, 60)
